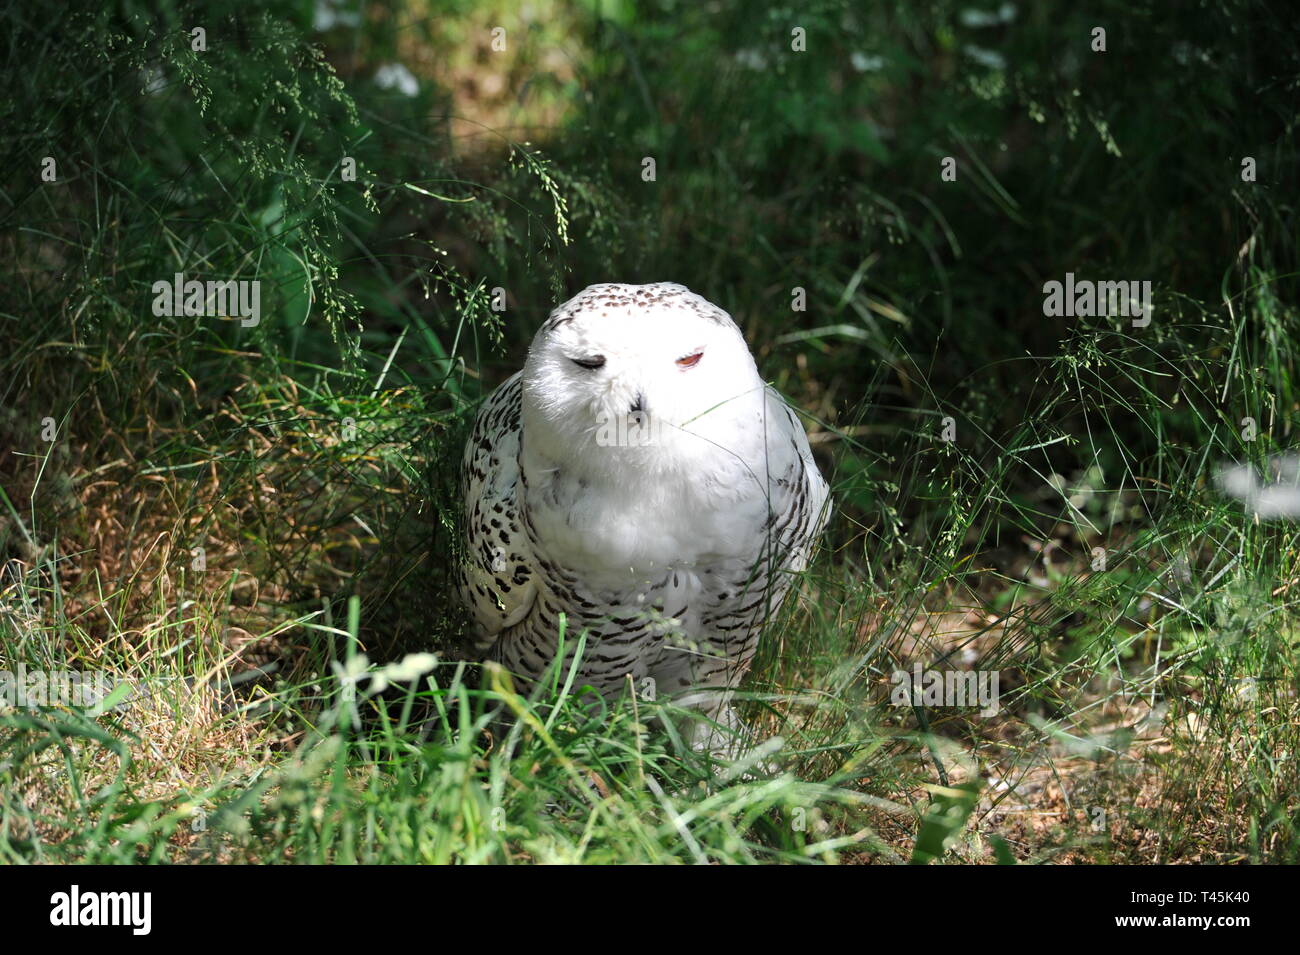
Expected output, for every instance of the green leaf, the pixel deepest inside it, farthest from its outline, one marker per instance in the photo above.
(946, 817)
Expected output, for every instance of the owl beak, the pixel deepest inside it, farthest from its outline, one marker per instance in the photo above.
(638, 406)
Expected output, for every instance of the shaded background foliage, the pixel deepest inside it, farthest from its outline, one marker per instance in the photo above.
(775, 170)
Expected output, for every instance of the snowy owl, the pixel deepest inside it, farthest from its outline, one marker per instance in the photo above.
(639, 477)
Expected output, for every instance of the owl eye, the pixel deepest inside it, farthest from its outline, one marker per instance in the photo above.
(690, 361)
(595, 361)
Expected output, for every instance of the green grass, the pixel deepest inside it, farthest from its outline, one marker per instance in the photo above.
(1148, 709)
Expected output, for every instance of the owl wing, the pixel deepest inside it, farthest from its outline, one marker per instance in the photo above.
(740, 599)
(498, 574)
(799, 503)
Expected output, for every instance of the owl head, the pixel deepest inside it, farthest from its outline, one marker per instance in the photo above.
(646, 371)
